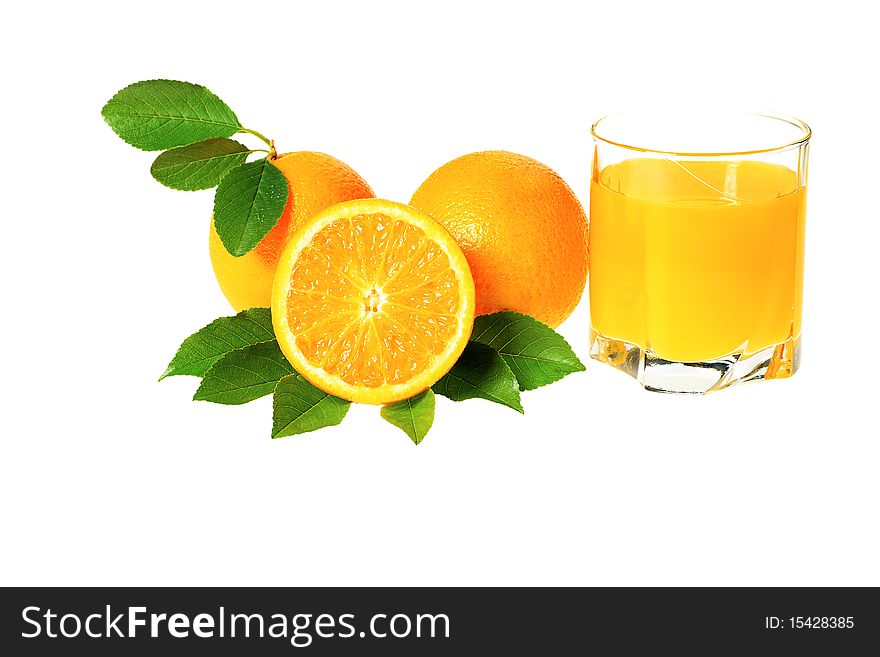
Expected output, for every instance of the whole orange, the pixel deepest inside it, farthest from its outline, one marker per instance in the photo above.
(522, 229)
(316, 181)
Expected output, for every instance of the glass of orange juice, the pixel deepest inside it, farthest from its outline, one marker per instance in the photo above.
(697, 246)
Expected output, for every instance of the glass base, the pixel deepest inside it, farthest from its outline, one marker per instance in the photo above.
(660, 375)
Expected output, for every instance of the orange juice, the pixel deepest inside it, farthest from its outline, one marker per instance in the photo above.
(697, 260)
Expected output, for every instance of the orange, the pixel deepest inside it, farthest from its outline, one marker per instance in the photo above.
(373, 301)
(521, 228)
(316, 181)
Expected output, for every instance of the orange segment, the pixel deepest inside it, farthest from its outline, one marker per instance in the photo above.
(373, 301)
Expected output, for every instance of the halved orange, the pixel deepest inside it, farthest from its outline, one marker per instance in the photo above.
(373, 301)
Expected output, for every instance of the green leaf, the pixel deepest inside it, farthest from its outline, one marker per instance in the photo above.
(247, 205)
(207, 345)
(480, 372)
(244, 374)
(299, 407)
(198, 166)
(535, 353)
(154, 115)
(414, 415)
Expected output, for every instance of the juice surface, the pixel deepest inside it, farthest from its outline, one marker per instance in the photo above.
(696, 260)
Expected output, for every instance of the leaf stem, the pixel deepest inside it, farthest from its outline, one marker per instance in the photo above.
(269, 142)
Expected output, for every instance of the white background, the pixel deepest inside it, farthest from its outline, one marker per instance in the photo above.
(108, 477)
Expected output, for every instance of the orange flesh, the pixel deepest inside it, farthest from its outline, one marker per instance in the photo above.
(373, 300)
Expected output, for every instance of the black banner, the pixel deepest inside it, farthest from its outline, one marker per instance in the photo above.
(437, 621)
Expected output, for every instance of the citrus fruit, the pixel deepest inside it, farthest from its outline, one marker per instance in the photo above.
(521, 228)
(316, 181)
(373, 301)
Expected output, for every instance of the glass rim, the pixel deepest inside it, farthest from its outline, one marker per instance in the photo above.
(806, 134)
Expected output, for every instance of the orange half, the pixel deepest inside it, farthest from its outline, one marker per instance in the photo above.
(373, 301)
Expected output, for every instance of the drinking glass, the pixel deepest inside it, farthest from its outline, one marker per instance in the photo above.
(697, 246)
